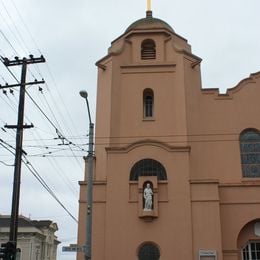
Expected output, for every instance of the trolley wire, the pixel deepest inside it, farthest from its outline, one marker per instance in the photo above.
(36, 174)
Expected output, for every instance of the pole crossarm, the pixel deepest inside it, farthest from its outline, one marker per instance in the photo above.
(15, 126)
(25, 84)
(18, 61)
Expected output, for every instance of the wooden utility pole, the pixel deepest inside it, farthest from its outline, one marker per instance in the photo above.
(19, 143)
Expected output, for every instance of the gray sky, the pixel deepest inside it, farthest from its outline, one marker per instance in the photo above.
(73, 35)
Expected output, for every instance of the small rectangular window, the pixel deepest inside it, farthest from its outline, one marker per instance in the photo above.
(207, 255)
(148, 103)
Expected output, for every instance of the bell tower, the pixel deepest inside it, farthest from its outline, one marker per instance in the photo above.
(141, 179)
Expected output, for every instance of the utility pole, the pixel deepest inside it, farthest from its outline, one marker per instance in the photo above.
(19, 143)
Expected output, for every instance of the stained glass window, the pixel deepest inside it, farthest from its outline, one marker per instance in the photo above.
(250, 153)
(251, 251)
(148, 167)
(149, 252)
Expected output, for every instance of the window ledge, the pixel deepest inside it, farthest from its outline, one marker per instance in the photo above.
(145, 119)
(251, 179)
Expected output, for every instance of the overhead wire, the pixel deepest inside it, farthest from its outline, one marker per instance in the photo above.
(7, 146)
(54, 164)
(48, 69)
(26, 27)
(3, 34)
(14, 103)
(69, 141)
(64, 177)
(60, 135)
(58, 132)
(48, 106)
(11, 73)
(14, 76)
(56, 129)
(45, 185)
(191, 138)
(13, 34)
(36, 174)
(6, 164)
(18, 36)
(52, 152)
(64, 105)
(12, 107)
(8, 104)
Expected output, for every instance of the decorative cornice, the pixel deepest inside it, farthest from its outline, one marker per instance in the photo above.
(148, 142)
(204, 181)
(148, 68)
(155, 65)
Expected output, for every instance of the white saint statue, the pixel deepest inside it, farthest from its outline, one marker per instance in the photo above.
(148, 197)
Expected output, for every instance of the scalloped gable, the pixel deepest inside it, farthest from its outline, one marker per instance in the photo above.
(252, 79)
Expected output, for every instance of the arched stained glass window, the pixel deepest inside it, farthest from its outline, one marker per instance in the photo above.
(148, 167)
(250, 152)
(148, 100)
(148, 50)
(149, 252)
(251, 251)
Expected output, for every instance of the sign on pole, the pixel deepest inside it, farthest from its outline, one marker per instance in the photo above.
(73, 248)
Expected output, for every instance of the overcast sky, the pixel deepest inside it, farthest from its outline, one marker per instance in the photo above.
(73, 35)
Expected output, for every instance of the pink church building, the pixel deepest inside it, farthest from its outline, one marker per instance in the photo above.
(197, 150)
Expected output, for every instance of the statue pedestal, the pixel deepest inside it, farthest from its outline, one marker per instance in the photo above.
(148, 215)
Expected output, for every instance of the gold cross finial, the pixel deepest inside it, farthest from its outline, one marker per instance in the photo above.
(148, 5)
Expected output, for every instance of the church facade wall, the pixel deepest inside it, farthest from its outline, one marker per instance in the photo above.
(194, 152)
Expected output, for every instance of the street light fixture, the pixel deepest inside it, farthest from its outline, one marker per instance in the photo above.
(88, 242)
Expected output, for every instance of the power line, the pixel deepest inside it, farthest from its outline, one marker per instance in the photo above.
(45, 185)
(38, 177)
(16, 29)
(2, 33)
(6, 164)
(48, 68)
(52, 152)
(60, 135)
(6, 147)
(14, 35)
(51, 111)
(57, 156)
(2, 60)
(12, 108)
(26, 27)
(55, 166)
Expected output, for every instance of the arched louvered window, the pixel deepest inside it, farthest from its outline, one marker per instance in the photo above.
(148, 50)
(250, 152)
(149, 252)
(148, 167)
(148, 100)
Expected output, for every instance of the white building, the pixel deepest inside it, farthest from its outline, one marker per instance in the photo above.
(36, 239)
